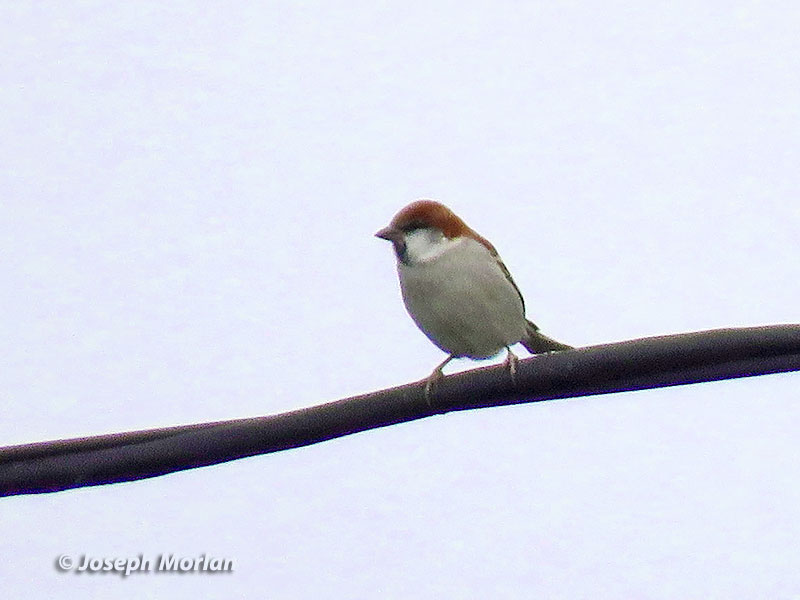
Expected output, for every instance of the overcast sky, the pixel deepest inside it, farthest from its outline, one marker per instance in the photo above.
(189, 194)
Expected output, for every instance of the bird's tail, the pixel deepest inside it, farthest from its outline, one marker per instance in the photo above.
(536, 342)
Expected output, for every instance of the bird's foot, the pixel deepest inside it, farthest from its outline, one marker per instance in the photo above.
(433, 379)
(511, 364)
(430, 383)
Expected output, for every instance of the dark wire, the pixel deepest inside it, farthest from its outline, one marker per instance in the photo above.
(631, 365)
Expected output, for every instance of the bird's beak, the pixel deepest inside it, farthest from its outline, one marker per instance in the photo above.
(390, 233)
(398, 239)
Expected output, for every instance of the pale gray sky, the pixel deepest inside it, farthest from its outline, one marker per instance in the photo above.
(188, 200)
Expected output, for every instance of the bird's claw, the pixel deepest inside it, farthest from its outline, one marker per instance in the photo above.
(511, 364)
(430, 383)
(433, 379)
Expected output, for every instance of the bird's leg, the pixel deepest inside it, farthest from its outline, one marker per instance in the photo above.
(434, 378)
(511, 364)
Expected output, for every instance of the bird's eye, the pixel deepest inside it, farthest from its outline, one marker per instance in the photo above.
(410, 227)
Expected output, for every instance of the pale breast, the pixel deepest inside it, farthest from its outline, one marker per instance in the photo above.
(463, 302)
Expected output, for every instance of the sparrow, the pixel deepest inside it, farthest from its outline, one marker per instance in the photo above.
(457, 290)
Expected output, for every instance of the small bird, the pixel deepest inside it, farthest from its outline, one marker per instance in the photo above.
(457, 290)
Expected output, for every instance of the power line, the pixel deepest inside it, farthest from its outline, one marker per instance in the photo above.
(624, 366)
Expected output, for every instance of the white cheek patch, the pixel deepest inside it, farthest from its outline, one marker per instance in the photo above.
(424, 245)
